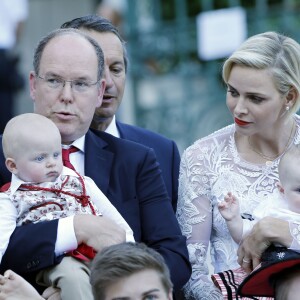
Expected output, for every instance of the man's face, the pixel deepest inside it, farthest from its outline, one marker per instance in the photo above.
(67, 57)
(114, 73)
(141, 285)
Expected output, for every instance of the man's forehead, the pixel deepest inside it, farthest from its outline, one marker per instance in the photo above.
(110, 45)
(71, 42)
(69, 53)
(107, 38)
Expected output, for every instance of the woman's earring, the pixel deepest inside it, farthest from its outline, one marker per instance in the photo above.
(287, 108)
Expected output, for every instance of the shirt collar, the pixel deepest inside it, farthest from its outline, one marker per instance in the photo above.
(112, 128)
(16, 182)
(79, 144)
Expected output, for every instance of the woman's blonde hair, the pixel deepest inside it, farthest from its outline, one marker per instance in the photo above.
(276, 52)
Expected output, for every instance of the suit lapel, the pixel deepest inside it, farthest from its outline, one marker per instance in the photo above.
(122, 130)
(98, 160)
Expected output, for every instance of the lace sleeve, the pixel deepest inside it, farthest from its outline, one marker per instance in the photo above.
(194, 213)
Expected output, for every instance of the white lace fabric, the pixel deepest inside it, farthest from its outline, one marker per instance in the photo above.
(209, 169)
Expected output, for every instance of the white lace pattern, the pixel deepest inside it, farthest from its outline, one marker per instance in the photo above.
(209, 169)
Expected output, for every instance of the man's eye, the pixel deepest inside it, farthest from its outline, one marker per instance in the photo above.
(54, 80)
(80, 83)
(117, 70)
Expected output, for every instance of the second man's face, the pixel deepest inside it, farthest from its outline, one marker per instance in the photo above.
(114, 72)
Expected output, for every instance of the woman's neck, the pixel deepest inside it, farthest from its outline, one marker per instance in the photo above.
(267, 146)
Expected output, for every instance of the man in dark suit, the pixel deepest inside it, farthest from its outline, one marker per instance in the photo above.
(66, 86)
(116, 65)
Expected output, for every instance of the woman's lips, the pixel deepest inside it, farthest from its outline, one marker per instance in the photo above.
(241, 122)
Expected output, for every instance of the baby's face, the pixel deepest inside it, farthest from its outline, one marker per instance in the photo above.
(292, 188)
(40, 158)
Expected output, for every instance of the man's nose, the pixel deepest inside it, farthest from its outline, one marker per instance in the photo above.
(67, 92)
(108, 78)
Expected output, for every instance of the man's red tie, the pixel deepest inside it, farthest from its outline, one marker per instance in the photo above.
(66, 156)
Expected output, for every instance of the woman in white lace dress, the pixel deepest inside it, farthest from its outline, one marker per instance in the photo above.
(263, 96)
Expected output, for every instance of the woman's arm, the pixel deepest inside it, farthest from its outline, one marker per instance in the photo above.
(194, 213)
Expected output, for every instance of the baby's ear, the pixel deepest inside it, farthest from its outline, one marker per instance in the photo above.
(11, 165)
(280, 187)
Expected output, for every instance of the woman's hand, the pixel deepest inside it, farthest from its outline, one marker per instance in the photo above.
(266, 231)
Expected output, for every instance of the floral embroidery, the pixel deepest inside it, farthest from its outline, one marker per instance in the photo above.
(209, 169)
(36, 206)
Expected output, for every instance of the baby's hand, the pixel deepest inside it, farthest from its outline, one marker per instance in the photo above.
(229, 208)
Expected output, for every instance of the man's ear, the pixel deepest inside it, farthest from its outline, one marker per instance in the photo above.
(32, 85)
(11, 165)
(280, 187)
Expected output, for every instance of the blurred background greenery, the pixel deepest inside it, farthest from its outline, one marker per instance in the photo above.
(169, 90)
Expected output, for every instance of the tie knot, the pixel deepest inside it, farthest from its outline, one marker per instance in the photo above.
(66, 156)
(72, 149)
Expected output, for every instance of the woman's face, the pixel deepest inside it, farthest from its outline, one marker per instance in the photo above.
(252, 98)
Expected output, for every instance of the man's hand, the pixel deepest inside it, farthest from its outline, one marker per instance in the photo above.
(98, 232)
(268, 230)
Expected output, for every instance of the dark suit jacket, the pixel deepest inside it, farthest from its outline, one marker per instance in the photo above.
(166, 152)
(129, 175)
